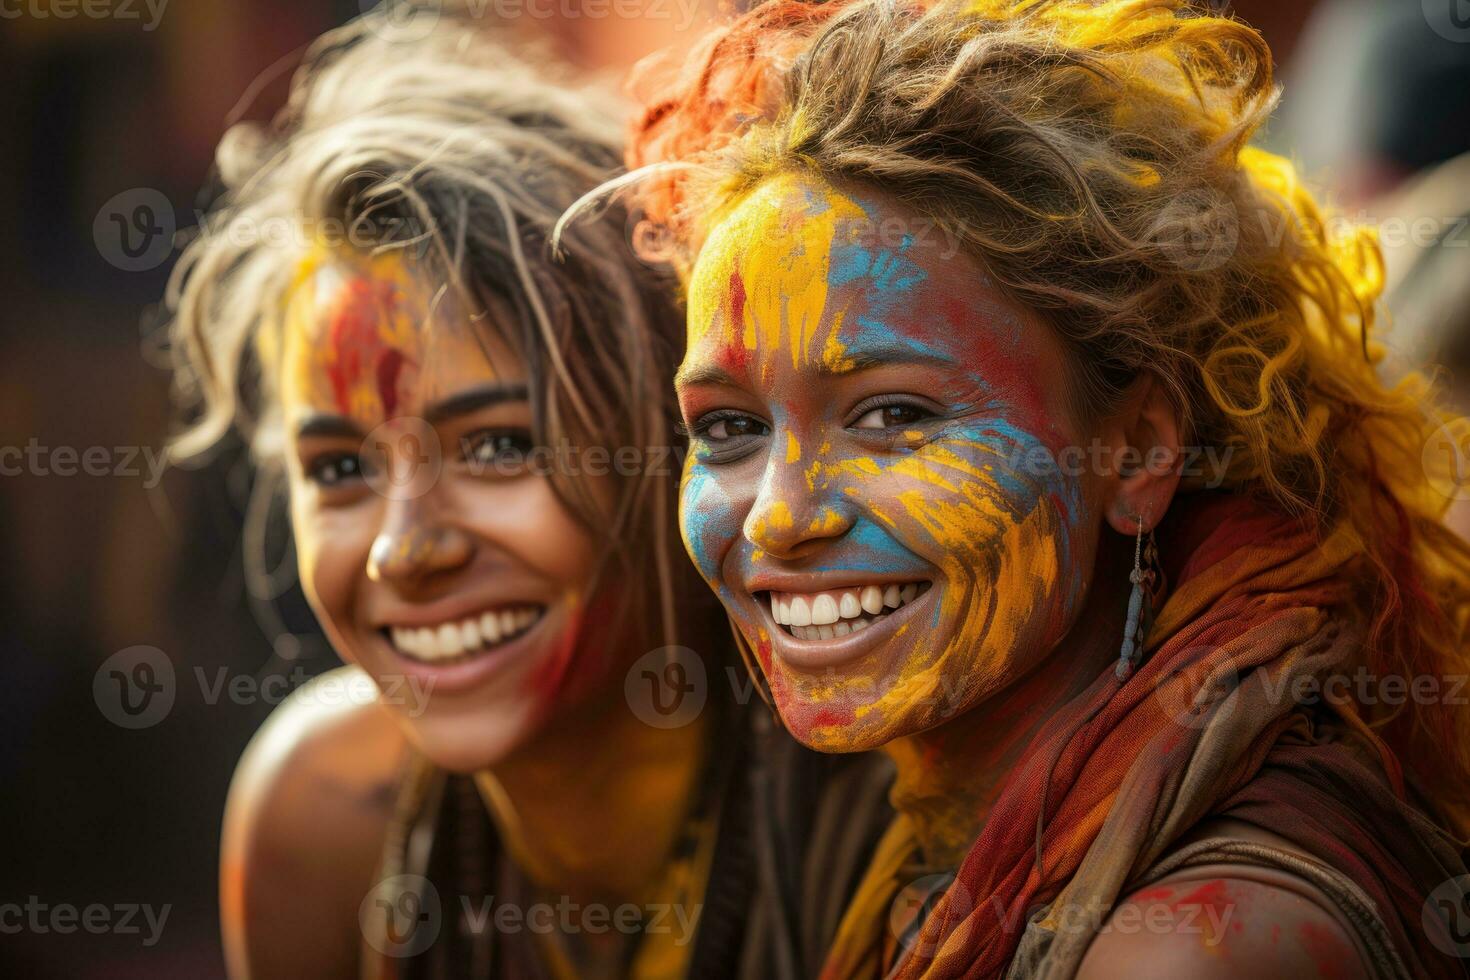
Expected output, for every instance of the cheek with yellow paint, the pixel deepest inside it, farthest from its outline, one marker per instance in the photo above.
(788, 303)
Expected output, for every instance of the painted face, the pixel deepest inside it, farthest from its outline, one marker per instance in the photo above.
(874, 489)
(434, 558)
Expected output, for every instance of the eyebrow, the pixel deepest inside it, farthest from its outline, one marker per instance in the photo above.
(876, 356)
(474, 399)
(323, 425)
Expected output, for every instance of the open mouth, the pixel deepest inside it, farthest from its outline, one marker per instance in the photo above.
(839, 612)
(461, 639)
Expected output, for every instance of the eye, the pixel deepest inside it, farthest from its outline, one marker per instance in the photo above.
(503, 449)
(727, 435)
(896, 415)
(735, 427)
(334, 469)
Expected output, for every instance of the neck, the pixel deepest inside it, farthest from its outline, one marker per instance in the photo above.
(593, 806)
(948, 777)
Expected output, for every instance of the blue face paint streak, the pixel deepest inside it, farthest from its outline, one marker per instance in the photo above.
(868, 548)
(701, 515)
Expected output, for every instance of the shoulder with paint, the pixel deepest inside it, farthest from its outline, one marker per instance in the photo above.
(304, 828)
(1225, 921)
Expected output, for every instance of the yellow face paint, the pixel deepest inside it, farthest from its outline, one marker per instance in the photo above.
(821, 318)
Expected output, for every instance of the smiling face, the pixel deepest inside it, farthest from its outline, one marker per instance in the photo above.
(873, 489)
(432, 556)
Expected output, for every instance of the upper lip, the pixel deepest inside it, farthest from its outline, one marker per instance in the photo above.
(806, 582)
(436, 615)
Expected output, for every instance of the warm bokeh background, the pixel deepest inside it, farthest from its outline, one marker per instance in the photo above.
(91, 107)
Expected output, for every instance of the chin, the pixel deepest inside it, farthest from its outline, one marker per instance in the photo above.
(468, 741)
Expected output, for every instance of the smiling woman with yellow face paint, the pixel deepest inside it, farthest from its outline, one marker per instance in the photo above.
(476, 443)
(1036, 439)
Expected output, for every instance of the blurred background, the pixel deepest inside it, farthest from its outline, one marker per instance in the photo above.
(111, 110)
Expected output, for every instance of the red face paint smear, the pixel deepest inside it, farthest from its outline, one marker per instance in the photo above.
(357, 342)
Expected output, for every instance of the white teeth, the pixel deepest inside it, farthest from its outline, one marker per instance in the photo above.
(451, 640)
(824, 610)
(837, 613)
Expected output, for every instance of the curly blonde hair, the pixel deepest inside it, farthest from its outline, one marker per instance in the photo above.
(1095, 155)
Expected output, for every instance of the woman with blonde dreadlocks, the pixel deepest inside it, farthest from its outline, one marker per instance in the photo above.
(1036, 439)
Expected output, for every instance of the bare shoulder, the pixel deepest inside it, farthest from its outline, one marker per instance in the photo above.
(1224, 921)
(304, 825)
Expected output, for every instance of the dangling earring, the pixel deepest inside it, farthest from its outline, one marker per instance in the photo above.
(1140, 604)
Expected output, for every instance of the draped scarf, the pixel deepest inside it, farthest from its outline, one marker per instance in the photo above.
(1218, 721)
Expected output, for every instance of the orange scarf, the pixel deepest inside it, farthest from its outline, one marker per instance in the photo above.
(1207, 726)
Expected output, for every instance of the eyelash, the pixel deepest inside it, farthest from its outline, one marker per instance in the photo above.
(733, 447)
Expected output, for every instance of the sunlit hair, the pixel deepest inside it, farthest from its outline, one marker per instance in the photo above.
(461, 155)
(1094, 157)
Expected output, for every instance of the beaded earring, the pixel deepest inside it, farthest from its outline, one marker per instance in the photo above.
(1140, 603)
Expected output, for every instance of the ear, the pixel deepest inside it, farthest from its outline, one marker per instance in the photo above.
(1142, 472)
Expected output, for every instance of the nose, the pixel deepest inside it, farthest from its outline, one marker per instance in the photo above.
(790, 518)
(414, 544)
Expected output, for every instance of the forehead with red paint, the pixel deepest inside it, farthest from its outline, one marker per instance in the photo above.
(804, 278)
(371, 340)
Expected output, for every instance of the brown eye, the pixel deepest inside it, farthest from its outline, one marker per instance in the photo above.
(735, 427)
(334, 469)
(891, 417)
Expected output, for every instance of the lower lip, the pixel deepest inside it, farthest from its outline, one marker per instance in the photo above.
(464, 673)
(809, 655)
